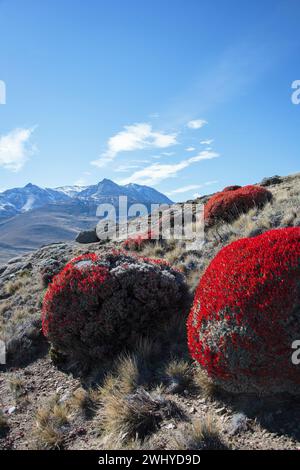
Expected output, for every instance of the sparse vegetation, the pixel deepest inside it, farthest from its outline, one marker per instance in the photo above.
(82, 401)
(207, 387)
(3, 424)
(178, 375)
(51, 419)
(11, 287)
(16, 385)
(123, 402)
(135, 415)
(201, 434)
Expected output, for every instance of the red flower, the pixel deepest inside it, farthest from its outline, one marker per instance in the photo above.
(246, 314)
(232, 201)
(98, 306)
(138, 242)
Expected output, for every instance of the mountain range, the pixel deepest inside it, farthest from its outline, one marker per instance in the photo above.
(20, 200)
(32, 216)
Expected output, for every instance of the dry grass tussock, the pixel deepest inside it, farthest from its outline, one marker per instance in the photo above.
(135, 415)
(178, 375)
(207, 388)
(51, 422)
(201, 434)
(129, 413)
(3, 423)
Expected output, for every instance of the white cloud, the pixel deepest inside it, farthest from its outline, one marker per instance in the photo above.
(167, 154)
(135, 137)
(184, 189)
(140, 161)
(196, 123)
(191, 187)
(125, 168)
(190, 149)
(157, 172)
(207, 142)
(15, 148)
(204, 155)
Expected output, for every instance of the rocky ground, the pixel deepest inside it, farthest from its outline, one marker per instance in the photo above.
(47, 404)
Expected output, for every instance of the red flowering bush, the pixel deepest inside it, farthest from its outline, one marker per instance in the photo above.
(49, 268)
(97, 306)
(138, 242)
(231, 188)
(246, 314)
(234, 200)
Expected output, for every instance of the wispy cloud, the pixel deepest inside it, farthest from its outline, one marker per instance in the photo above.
(184, 189)
(207, 142)
(15, 148)
(167, 154)
(125, 168)
(190, 149)
(158, 172)
(135, 137)
(191, 187)
(196, 123)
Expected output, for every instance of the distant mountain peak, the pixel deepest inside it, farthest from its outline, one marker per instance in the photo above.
(106, 180)
(19, 200)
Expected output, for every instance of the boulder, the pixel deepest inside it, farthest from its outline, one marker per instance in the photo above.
(87, 236)
(271, 180)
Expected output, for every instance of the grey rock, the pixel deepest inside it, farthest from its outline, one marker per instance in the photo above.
(17, 259)
(49, 268)
(271, 180)
(237, 424)
(3, 268)
(87, 236)
(174, 387)
(65, 397)
(255, 232)
(15, 268)
(11, 410)
(26, 342)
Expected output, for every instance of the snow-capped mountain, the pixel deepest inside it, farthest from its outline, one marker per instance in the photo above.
(71, 191)
(20, 200)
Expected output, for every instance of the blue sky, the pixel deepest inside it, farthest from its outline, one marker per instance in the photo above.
(186, 96)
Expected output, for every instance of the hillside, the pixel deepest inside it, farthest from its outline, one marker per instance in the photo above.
(31, 216)
(49, 403)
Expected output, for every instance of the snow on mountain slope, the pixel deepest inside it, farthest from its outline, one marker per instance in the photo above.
(71, 191)
(19, 200)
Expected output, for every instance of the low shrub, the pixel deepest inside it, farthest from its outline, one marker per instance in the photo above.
(230, 203)
(98, 306)
(246, 315)
(139, 241)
